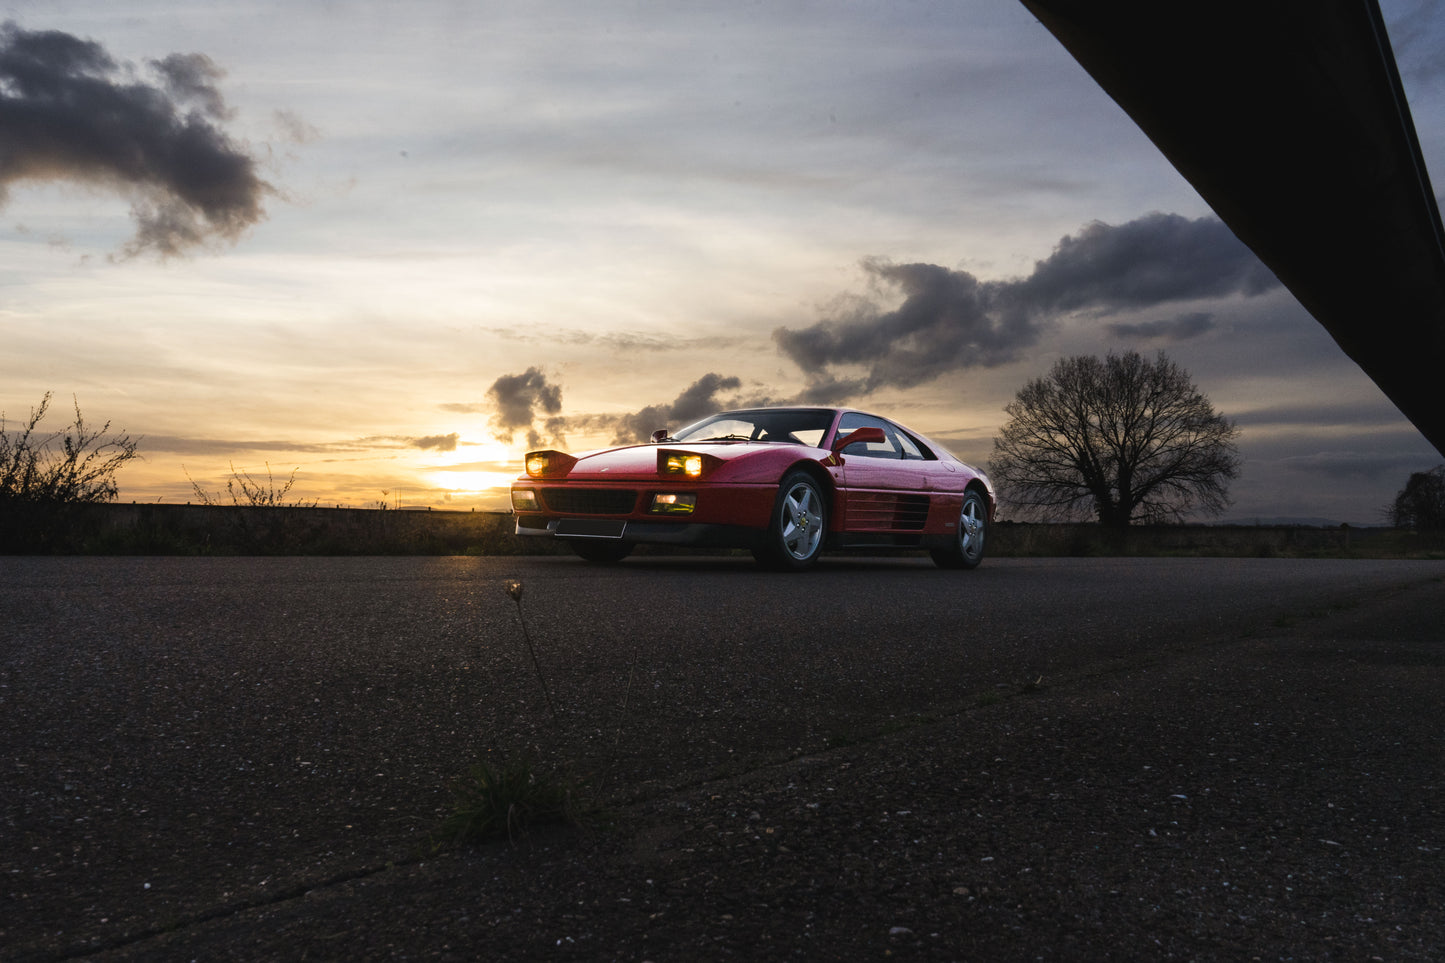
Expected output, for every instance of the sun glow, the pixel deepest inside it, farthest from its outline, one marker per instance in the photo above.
(473, 482)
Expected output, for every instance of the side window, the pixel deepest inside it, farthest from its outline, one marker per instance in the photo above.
(912, 447)
(910, 450)
(888, 448)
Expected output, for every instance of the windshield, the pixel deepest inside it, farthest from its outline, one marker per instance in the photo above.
(796, 426)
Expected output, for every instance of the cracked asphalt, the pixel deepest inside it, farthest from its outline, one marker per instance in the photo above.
(247, 758)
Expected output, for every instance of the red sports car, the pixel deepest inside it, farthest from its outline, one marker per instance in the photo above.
(786, 483)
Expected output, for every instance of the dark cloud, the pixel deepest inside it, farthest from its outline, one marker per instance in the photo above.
(1157, 259)
(191, 78)
(527, 402)
(519, 402)
(70, 112)
(1373, 416)
(1357, 464)
(825, 389)
(949, 320)
(436, 442)
(1182, 328)
(697, 401)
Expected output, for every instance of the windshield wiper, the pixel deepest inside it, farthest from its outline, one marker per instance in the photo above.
(728, 438)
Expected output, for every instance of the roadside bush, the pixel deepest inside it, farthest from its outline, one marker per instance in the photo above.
(42, 476)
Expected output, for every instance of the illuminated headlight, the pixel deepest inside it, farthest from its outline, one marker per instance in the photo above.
(537, 465)
(680, 464)
(524, 500)
(671, 503)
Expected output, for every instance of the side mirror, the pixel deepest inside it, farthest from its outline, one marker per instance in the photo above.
(659, 436)
(870, 435)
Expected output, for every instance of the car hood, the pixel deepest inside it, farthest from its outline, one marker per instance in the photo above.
(640, 461)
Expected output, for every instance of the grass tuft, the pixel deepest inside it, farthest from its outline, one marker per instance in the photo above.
(506, 800)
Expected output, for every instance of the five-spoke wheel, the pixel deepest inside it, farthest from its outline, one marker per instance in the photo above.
(966, 550)
(800, 521)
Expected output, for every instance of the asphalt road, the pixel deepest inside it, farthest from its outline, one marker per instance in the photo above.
(249, 758)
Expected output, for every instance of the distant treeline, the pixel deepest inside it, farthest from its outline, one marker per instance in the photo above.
(156, 529)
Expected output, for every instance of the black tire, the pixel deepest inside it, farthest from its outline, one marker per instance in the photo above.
(601, 552)
(799, 525)
(967, 548)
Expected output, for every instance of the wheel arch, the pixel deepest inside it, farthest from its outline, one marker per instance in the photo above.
(989, 503)
(822, 477)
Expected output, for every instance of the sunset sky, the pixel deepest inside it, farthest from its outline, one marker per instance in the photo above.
(388, 244)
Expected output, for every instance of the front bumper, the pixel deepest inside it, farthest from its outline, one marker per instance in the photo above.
(698, 534)
(724, 516)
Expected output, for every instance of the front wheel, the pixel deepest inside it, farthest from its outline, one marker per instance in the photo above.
(967, 548)
(602, 553)
(794, 539)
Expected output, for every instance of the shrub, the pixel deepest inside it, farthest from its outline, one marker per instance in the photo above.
(72, 466)
(504, 801)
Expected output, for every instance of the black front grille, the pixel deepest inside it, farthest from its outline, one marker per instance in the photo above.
(590, 501)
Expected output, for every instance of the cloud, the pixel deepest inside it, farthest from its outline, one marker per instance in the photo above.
(1357, 464)
(520, 401)
(70, 113)
(215, 446)
(948, 320)
(1157, 259)
(1182, 328)
(697, 400)
(1376, 416)
(616, 341)
(178, 444)
(436, 442)
(528, 402)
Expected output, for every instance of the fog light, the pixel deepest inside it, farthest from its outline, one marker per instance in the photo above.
(524, 500)
(671, 503)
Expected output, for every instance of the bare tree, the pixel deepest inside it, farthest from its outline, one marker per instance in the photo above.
(1122, 438)
(70, 466)
(1421, 503)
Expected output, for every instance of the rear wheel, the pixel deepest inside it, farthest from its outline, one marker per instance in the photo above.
(794, 539)
(967, 548)
(602, 552)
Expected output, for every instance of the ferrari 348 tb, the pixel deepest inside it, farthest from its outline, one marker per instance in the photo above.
(786, 483)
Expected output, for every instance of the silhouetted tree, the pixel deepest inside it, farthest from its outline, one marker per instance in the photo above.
(71, 466)
(1421, 503)
(1122, 438)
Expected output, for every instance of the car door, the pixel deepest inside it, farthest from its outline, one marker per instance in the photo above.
(883, 488)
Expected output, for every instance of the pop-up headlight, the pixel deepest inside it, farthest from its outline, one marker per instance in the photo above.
(549, 463)
(688, 464)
